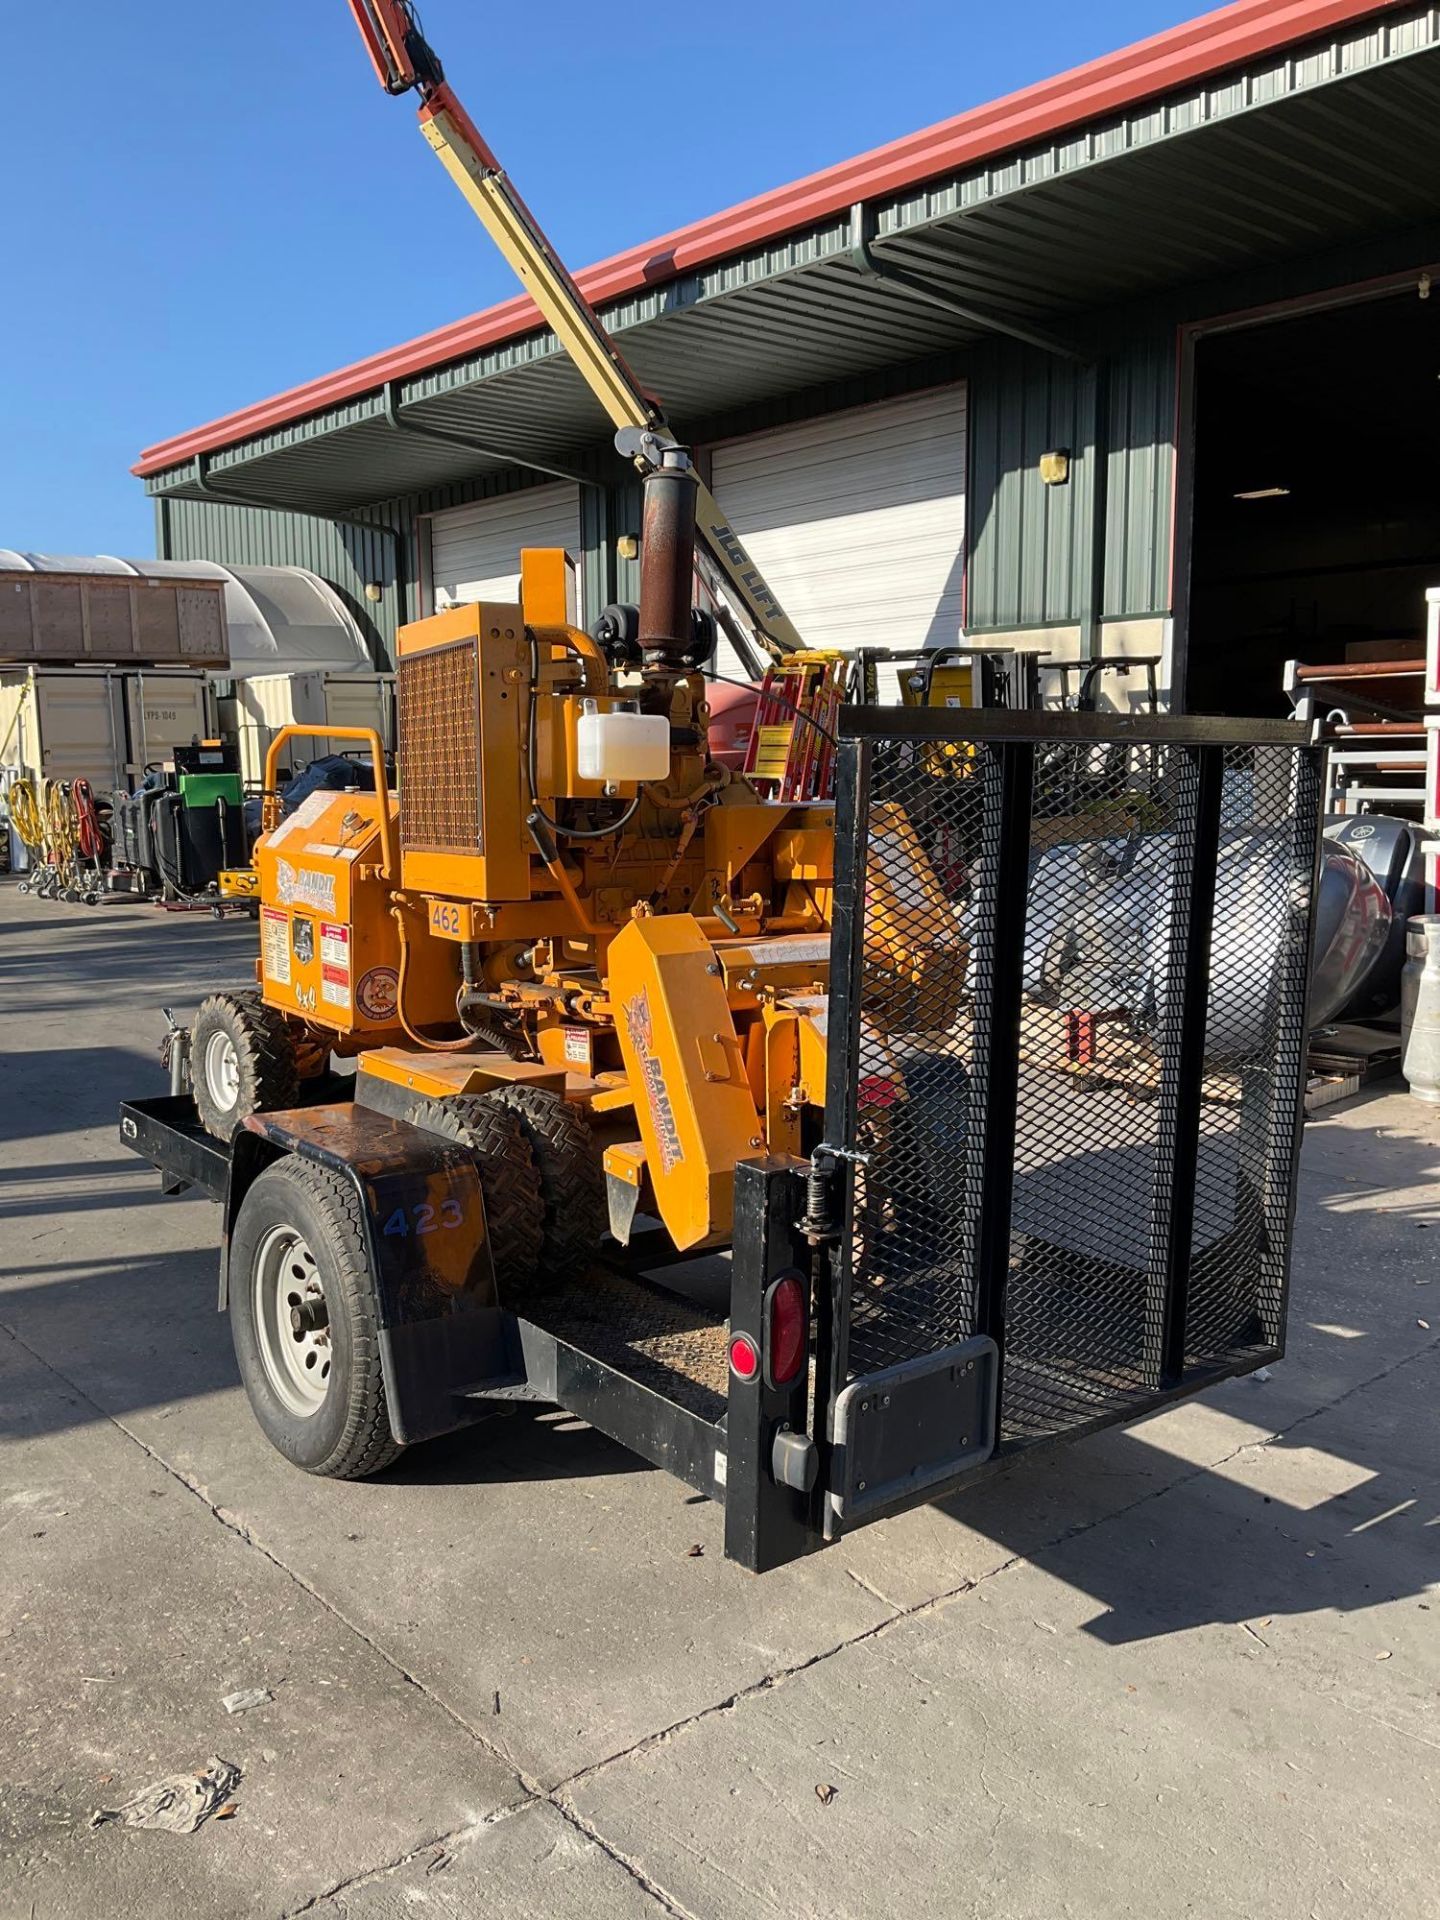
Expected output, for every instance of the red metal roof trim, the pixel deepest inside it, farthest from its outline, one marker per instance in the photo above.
(1215, 41)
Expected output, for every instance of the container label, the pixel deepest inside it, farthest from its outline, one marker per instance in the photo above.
(275, 945)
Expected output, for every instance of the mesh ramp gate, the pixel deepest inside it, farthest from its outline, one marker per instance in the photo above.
(1066, 1068)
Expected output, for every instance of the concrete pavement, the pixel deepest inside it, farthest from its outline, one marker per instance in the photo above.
(1189, 1668)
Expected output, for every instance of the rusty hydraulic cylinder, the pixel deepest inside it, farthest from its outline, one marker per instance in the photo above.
(667, 561)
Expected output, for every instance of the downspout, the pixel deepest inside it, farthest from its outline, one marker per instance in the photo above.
(505, 455)
(862, 249)
(1092, 606)
(864, 256)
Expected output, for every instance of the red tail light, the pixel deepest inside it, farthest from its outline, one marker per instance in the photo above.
(744, 1357)
(786, 1329)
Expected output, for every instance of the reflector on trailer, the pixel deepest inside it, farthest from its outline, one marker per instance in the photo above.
(786, 1327)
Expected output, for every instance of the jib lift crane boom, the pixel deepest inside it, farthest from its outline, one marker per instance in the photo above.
(405, 63)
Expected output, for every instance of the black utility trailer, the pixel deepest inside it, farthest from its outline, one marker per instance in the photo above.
(1055, 1208)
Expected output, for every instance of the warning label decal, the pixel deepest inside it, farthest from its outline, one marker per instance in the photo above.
(275, 945)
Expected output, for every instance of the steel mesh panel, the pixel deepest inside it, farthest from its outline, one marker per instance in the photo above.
(1254, 1036)
(439, 749)
(914, 1290)
(1081, 1310)
(1072, 983)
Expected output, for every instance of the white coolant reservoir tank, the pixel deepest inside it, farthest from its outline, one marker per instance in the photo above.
(623, 744)
(1420, 1008)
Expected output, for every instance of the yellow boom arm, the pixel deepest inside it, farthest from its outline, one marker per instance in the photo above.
(404, 62)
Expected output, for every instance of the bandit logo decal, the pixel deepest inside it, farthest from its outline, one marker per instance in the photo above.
(296, 885)
(641, 1028)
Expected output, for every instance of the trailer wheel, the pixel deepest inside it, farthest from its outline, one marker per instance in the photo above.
(509, 1180)
(242, 1061)
(572, 1178)
(303, 1320)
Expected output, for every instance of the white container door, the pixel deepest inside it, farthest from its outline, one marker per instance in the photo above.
(475, 550)
(857, 520)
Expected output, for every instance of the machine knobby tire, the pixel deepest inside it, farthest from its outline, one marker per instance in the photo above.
(509, 1180)
(268, 1075)
(572, 1179)
(348, 1436)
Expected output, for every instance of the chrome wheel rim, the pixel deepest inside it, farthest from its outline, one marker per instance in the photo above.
(222, 1070)
(292, 1322)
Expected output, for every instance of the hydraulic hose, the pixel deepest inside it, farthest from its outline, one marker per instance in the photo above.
(412, 1033)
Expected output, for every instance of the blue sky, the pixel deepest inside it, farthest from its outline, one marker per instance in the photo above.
(208, 201)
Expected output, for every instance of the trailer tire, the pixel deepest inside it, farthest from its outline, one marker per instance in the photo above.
(509, 1181)
(242, 1061)
(572, 1179)
(318, 1394)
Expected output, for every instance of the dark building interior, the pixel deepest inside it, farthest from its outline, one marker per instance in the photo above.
(1316, 519)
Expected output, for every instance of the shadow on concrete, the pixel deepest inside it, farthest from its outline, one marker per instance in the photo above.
(57, 1090)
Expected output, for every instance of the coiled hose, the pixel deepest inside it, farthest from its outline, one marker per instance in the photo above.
(27, 817)
(89, 835)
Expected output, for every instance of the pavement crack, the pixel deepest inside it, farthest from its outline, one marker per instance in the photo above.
(627, 1864)
(874, 1592)
(533, 1790)
(365, 1876)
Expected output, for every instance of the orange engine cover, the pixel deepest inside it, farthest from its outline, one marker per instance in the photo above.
(329, 944)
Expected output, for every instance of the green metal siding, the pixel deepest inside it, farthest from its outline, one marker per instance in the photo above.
(1028, 546)
(1140, 473)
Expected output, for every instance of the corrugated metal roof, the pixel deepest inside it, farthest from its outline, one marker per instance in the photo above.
(1301, 149)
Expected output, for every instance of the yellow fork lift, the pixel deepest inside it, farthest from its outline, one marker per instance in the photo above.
(577, 1004)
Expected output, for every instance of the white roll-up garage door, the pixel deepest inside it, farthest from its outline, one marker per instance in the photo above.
(857, 520)
(475, 550)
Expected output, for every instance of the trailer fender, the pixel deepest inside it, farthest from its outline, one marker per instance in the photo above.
(442, 1331)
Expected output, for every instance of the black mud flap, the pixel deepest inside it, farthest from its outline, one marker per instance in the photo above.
(442, 1330)
(909, 1430)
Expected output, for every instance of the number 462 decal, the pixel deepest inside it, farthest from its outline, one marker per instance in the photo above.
(423, 1218)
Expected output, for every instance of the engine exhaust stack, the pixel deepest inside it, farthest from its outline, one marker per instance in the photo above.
(667, 562)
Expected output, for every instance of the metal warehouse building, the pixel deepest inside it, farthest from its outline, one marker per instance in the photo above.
(1198, 270)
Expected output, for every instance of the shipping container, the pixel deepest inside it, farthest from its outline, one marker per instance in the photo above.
(266, 702)
(70, 723)
(55, 611)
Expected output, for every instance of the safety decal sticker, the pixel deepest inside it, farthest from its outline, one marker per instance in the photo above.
(275, 945)
(302, 939)
(298, 886)
(305, 815)
(334, 964)
(577, 1048)
(378, 993)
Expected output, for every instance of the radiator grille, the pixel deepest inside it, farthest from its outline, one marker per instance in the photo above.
(439, 756)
